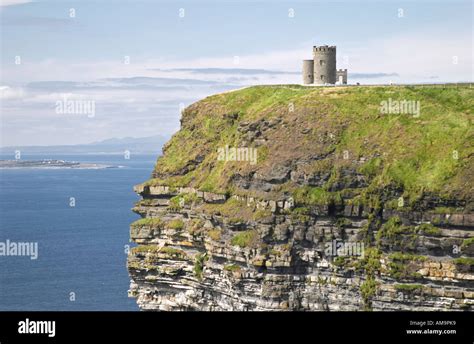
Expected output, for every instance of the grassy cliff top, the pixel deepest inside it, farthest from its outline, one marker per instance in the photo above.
(321, 130)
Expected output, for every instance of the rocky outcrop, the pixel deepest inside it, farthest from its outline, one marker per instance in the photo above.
(303, 230)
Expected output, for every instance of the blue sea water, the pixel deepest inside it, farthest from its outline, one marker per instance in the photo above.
(81, 249)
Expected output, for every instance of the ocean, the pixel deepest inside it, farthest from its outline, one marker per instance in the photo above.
(81, 262)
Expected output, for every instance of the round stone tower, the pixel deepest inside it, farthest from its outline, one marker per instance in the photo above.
(308, 71)
(324, 64)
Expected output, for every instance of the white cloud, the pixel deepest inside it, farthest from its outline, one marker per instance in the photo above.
(417, 57)
(138, 106)
(7, 92)
(121, 109)
(414, 57)
(4, 3)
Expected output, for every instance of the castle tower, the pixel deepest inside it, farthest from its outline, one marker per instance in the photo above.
(308, 71)
(324, 64)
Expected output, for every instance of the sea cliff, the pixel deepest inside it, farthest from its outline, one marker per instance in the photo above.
(290, 198)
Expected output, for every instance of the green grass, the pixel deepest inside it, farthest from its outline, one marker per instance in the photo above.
(215, 234)
(415, 154)
(370, 262)
(145, 248)
(316, 196)
(232, 268)
(428, 229)
(467, 262)
(155, 249)
(340, 261)
(467, 243)
(151, 222)
(372, 167)
(245, 239)
(185, 199)
(172, 252)
(368, 289)
(406, 257)
(402, 265)
(176, 224)
(199, 262)
(446, 210)
(393, 232)
(392, 228)
(300, 214)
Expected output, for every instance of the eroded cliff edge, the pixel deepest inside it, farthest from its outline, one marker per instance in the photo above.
(331, 168)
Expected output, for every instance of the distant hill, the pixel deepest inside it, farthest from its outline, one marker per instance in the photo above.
(136, 145)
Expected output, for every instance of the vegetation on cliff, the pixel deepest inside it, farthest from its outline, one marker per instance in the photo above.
(331, 130)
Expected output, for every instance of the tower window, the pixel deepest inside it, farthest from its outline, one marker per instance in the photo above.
(322, 62)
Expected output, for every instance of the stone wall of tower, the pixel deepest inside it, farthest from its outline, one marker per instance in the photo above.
(324, 64)
(308, 71)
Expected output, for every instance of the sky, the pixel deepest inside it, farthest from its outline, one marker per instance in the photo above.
(140, 62)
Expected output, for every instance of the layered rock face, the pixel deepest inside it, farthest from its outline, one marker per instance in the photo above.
(342, 209)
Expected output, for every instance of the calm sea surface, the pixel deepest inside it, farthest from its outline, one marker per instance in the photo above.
(81, 249)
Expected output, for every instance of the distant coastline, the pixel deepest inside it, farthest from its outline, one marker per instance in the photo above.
(51, 164)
